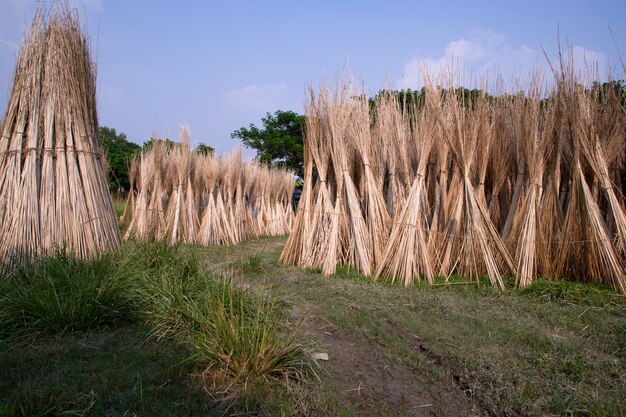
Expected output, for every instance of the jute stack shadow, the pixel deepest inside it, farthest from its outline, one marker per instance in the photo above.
(53, 190)
(461, 182)
(183, 196)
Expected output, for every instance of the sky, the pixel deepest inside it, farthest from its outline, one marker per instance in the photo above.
(217, 66)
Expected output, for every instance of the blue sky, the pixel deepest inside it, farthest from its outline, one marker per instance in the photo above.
(221, 65)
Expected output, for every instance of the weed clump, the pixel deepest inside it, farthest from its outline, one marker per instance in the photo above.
(235, 342)
(236, 339)
(61, 293)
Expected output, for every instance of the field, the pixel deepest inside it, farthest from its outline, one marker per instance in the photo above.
(453, 252)
(555, 348)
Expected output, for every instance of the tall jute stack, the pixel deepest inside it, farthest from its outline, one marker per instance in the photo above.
(53, 191)
(461, 182)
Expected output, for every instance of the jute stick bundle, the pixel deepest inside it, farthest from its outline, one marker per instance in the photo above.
(53, 190)
(188, 197)
(465, 183)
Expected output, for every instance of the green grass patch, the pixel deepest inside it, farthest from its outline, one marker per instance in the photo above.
(572, 292)
(254, 264)
(554, 348)
(121, 335)
(57, 294)
(102, 372)
(237, 344)
(119, 204)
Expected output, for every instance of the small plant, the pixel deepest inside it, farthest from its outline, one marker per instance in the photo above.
(253, 264)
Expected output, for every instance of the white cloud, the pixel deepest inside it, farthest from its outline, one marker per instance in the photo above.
(486, 53)
(588, 63)
(257, 97)
(481, 45)
(8, 44)
(466, 59)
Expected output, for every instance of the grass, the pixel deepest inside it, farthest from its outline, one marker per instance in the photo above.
(97, 373)
(571, 292)
(194, 331)
(148, 302)
(554, 348)
(119, 204)
(54, 295)
(238, 340)
(253, 264)
(245, 346)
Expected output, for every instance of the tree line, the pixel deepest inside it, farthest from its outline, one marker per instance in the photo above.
(279, 140)
(119, 153)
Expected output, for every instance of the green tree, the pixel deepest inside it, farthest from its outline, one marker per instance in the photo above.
(279, 141)
(201, 148)
(205, 149)
(119, 153)
(611, 90)
(406, 98)
(169, 144)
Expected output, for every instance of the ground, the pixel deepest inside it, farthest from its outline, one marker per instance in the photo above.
(455, 350)
(447, 350)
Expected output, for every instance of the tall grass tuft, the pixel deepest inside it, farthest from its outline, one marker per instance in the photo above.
(236, 348)
(60, 293)
(172, 280)
(237, 340)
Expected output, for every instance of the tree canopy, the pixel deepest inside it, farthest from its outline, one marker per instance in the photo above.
(202, 148)
(119, 153)
(169, 144)
(279, 141)
(205, 149)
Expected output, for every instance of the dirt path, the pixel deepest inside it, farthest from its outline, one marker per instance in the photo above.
(357, 371)
(458, 351)
(375, 386)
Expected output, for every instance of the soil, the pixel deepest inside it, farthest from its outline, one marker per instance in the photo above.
(362, 376)
(375, 386)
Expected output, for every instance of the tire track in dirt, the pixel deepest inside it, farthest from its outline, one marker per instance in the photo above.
(454, 370)
(373, 385)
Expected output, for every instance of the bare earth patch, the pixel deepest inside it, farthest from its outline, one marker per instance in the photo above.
(373, 384)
